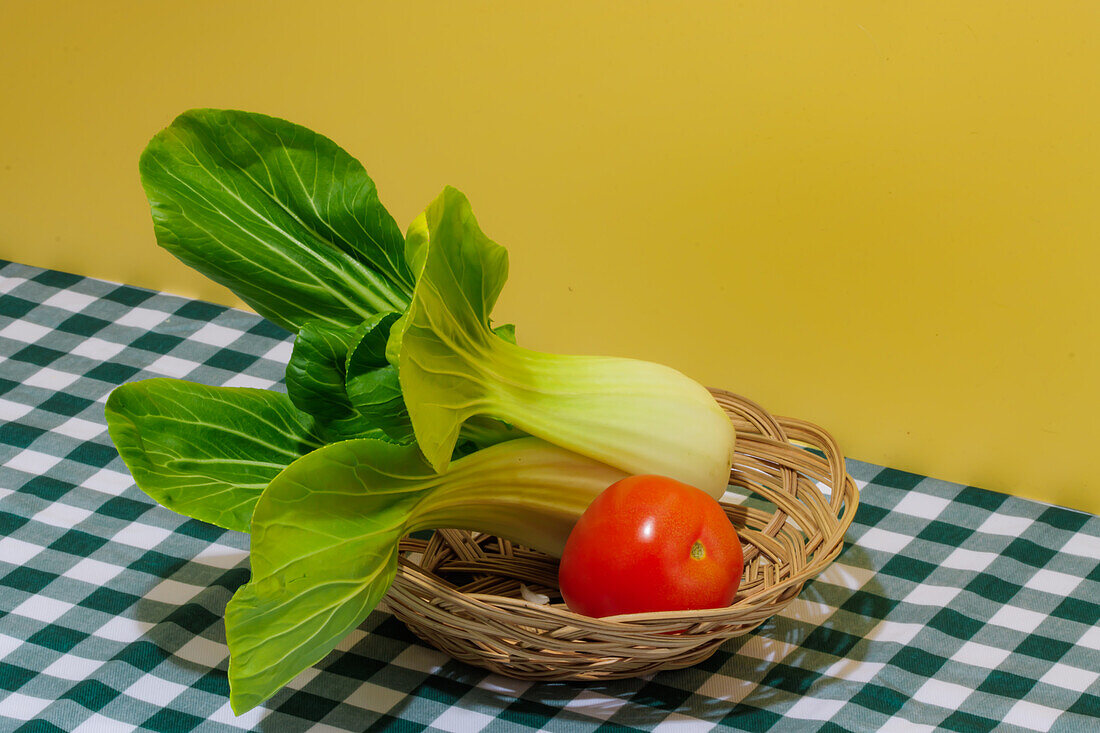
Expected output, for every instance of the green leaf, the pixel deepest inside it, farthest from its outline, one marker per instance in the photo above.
(372, 385)
(324, 551)
(206, 452)
(369, 350)
(316, 372)
(342, 378)
(506, 332)
(280, 215)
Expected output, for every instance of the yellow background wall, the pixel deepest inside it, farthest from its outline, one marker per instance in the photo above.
(882, 217)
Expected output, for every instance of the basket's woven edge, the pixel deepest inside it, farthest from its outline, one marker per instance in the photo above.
(517, 638)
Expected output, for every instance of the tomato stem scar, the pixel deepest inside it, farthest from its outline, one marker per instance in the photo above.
(698, 552)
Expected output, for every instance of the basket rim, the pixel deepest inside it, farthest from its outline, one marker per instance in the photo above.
(776, 433)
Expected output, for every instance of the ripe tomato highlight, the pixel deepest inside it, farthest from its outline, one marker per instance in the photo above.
(650, 543)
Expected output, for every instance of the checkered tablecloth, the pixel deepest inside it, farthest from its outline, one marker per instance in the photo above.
(950, 608)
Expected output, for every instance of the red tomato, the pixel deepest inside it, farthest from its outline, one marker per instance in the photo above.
(649, 543)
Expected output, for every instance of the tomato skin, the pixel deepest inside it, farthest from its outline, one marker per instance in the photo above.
(631, 551)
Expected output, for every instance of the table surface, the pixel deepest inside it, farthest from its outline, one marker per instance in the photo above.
(950, 607)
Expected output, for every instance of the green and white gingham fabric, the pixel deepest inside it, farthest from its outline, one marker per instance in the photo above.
(950, 608)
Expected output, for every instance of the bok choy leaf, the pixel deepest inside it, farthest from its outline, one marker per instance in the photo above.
(316, 373)
(280, 215)
(206, 452)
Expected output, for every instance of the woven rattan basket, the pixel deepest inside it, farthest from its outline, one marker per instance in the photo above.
(464, 593)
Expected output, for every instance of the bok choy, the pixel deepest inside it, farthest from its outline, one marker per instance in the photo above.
(405, 408)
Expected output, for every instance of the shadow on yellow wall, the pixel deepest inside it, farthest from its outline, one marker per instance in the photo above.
(880, 218)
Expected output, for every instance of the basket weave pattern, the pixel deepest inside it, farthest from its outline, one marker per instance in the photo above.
(461, 591)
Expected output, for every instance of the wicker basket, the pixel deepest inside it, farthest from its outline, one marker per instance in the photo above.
(464, 593)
